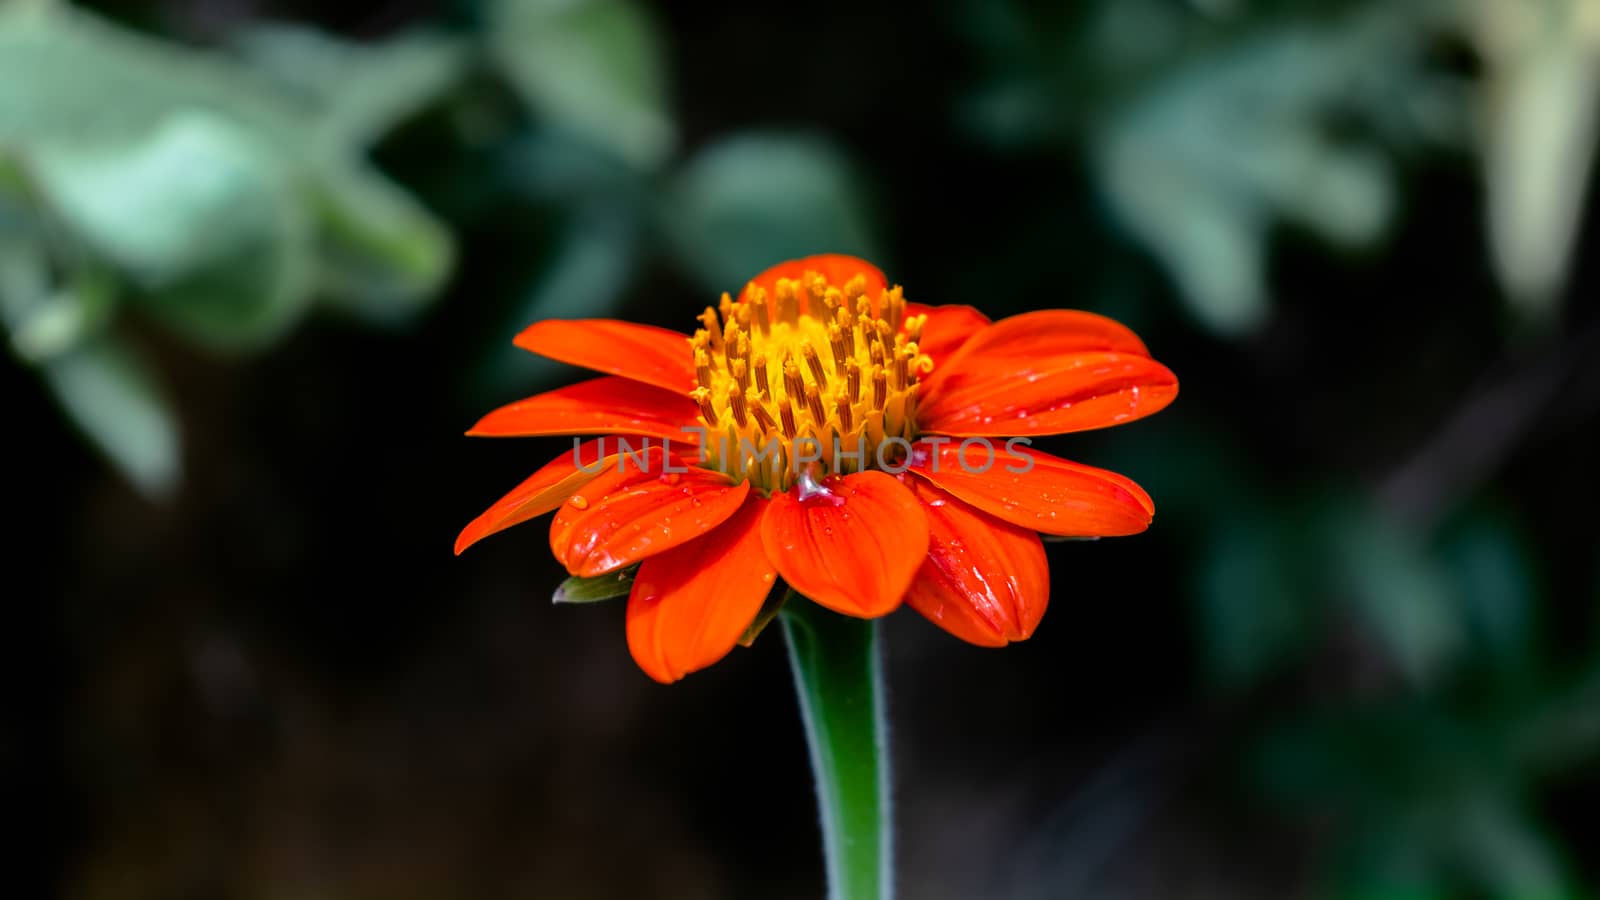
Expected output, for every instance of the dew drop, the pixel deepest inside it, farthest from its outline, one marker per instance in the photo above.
(579, 502)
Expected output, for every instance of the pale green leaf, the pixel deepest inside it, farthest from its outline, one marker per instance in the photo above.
(70, 80)
(115, 402)
(594, 67)
(1207, 157)
(204, 222)
(754, 200)
(383, 254)
(1403, 594)
(586, 276)
(1543, 105)
(359, 91)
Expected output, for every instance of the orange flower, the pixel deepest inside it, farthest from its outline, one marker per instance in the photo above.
(823, 429)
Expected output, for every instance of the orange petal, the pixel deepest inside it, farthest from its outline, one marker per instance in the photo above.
(1056, 359)
(1043, 333)
(610, 405)
(643, 353)
(836, 267)
(1036, 490)
(984, 581)
(550, 487)
(1070, 391)
(638, 508)
(544, 490)
(851, 544)
(691, 604)
(947, 328)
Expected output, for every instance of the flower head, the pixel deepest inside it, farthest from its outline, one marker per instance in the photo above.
(869, 450)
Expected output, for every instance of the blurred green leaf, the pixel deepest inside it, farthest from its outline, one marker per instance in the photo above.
(596, 589)
(383, 255)
(586, 276)
(1256, 612)
(750, 201)
(1401, 592)
(114, 400)
(1206, 158)
(358, 92)
(1504, 851)
(68, 76)
(1543, 110)
(595, 67)
(73, 84)
(41, 320)
(203, 221)
(1492, 576)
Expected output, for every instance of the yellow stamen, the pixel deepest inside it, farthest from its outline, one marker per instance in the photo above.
(836, 344)
(731, 345)
(914, 326)
(850, 359)
(702, 368)
(761, 377)
(793, 386)
(895, 303)
(788, 308)
(708, 412)
(855, 287)
(787, 412)
(814, 405)
(758, 300)
(713, 330)
(814, 364)
(762, 417)
(847, 330)
(902, 369)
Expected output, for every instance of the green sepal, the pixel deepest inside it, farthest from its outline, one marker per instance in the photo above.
(593, 590)
(769, 611)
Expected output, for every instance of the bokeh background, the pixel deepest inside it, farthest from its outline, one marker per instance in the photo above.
(261, 262)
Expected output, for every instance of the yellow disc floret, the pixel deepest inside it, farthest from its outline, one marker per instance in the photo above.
(815, 378)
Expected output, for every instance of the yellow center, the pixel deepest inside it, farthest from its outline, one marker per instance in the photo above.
(816, 379)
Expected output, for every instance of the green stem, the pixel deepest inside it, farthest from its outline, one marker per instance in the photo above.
(838, 674)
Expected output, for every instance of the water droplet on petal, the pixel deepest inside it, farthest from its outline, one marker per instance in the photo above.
(579, 502)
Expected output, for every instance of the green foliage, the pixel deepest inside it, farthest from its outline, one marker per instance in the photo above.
(115, 400)
(1212, 126)
(201, 193)
(202, 223)
(594, 67)
(222, 196)
(743, 202)
(1540, 99)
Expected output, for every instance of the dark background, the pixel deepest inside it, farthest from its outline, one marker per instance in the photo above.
(1356, 656)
